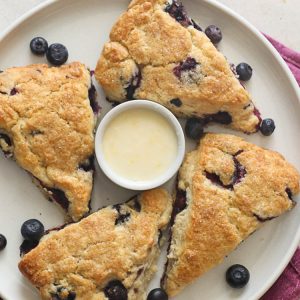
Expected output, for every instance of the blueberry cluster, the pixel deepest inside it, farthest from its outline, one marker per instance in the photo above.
(195, 126)
(56, 54)
(115, 290)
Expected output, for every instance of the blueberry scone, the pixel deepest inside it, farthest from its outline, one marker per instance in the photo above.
(227, 189)
(110, 255)
(157, 52)
(47, 125)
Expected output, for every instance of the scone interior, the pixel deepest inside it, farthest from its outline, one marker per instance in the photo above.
(115, 248)
(156, 52)
(227, 189)
(47, 125)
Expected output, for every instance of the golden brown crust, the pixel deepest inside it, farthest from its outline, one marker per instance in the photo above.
(84, 257)
(256, 187)
(146, 44)
(47, 115)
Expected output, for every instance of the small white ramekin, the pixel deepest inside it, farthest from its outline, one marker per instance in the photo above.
(139, 185)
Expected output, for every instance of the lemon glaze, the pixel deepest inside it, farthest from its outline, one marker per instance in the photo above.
(139, 144)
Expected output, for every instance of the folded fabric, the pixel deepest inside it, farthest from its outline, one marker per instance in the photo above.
(287, 287)
(291, 57)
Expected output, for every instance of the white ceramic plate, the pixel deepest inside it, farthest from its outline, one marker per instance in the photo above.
(83, 26)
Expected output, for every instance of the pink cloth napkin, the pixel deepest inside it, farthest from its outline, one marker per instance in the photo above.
(291, 57)
(287, 287)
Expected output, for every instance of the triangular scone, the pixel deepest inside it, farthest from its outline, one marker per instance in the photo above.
(157, 53)
(47, 124)
(227, 189)
(114, 250)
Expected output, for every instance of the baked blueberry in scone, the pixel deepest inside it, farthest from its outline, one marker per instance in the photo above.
(157, 52)
(227, 189)
(111, 254)
(47, 126)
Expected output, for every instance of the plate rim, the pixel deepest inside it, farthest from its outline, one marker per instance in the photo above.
(231, 13)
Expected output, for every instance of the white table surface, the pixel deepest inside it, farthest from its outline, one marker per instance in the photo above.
(279, 18)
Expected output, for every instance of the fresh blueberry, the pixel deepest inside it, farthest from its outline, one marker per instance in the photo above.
(59, 197)
(157, 294)
(32, 230)
(133, 85)
(289, 193)
(27, 246)
(13, 91)
(244, 71)
(3, 242)
(178, 12)
(180, 201)
(57, 54)
(93, 99)
(179, 205)
(188, 65)
(177, 102)
(237, 276)
(137, 206)
(122, 218)
(71, 296)
(115, 290)
(194, 128)
(239, 173)
(222, 117)
(214, 33)
(267, 127)
(6, 139)
(38, 46)
(88, 164)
